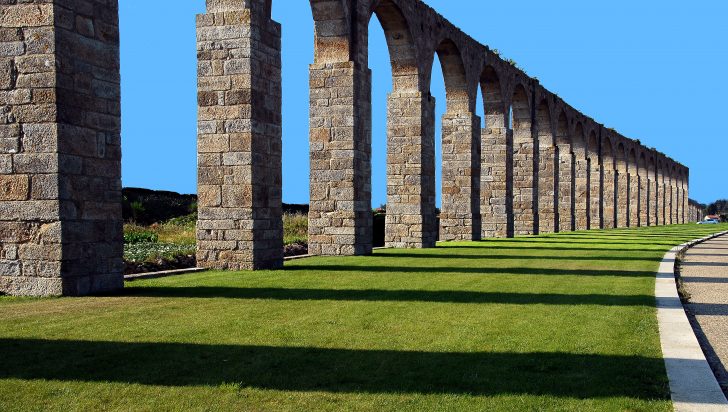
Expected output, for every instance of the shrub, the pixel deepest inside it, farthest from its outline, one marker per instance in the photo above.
(295, 228)
(153, 252)
(138, 234)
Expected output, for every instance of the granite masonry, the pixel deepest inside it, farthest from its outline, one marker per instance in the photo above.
(528, 164)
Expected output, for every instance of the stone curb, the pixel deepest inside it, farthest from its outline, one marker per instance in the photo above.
(693, 387)
(162, 274)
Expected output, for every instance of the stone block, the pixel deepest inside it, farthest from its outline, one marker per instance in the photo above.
(14, 187)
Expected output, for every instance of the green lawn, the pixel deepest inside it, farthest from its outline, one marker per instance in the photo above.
(557, 322)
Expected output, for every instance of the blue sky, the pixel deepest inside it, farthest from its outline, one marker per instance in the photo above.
(653, 70)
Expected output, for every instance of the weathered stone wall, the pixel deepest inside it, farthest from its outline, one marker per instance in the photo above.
(60, 174)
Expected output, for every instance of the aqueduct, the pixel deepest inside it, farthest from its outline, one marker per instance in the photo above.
(529, 164)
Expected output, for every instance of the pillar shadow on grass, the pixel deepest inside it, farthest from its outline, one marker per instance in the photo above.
(471, 270)
(374, 295)
(495, 245)
(421, 255)
(336, 370)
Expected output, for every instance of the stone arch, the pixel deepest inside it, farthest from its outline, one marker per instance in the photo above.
(632, 161)
(565, 174)
(593, 147)
(524, 184)
(496, 159)
(456, 82)
(521, 113)
(403, 51)
(332, 34)
(562, 130)
(493, 102)
(608, 159)
(543, 123)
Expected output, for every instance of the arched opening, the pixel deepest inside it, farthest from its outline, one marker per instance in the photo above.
(409, 143)
(496, 190)
(594, 190)
(460, 209)
(547, 165)
(565, 176)
(633, 188)
(148, 127)
(608, 184)
(581, 179)
(524, 199)
(622, 193)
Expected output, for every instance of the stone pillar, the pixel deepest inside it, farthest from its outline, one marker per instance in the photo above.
(581, 194)
(565, 188)
(595, 194)
(609, 189)
(643, 207)
(239, 139)
(654, 202)
(547, 190)
(411, 171)
(686, 202)
(340, 216)
(675, 202)
(496, 191)
(622, 203)
(460, 214)
(661, 201)
(633, 199)
(668, 201)
(524, 177)
(60, 149)
(680, 203)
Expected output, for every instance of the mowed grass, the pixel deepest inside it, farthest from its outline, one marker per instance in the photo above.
(557, 322)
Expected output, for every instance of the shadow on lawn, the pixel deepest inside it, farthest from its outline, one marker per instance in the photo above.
(496, 245)
(390, 296)
(335, 370)
(471, 270)
(419, 255)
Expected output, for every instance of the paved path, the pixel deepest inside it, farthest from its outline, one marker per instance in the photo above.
(705, 275)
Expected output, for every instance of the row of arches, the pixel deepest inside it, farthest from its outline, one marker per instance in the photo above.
(528, 163)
